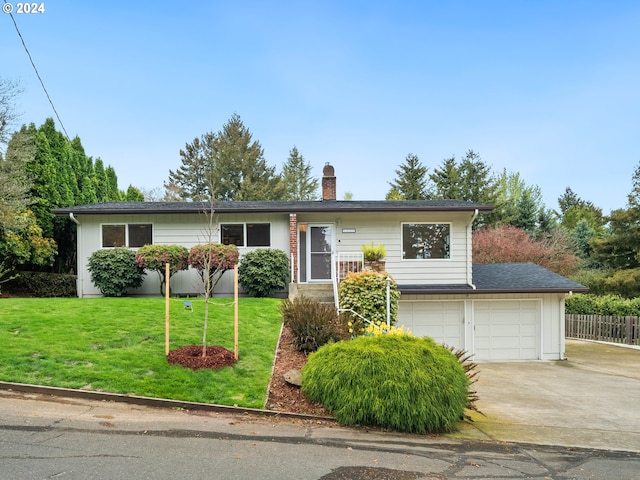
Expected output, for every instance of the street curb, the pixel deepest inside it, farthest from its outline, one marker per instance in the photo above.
(153, 402)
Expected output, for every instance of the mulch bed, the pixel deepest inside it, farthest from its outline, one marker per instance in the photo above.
(191, 357)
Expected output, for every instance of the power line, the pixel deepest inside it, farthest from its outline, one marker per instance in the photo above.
(38, 75)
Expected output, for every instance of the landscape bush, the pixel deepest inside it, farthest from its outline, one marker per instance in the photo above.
(313, 323)
(155, 257)
(587, 304)
(213, 259)
(263, 271)
(42, 285)
(114, 271)
(366, 294)
(373, 253)
(398, 382)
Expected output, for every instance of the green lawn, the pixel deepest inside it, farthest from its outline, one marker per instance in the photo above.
(118, 345)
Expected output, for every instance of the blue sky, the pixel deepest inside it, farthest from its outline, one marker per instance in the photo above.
(550, 89)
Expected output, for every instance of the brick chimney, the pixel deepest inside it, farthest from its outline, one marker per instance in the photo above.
(328, 182)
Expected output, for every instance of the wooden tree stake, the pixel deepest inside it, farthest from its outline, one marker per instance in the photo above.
(166, 309)
(235, 311)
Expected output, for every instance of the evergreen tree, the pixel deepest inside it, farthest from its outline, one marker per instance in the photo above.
(567, 200)
(447, 180)
(476, 179)
(581, 236)
(411, 180)
(133, 195)
(60, 175)
(298, 182)
(100, 181)
(83, 166)
(573, 209)
(113, 194)
(191, 180)
(15, 183)
(527, 214)
(634, 195)
(620, 248)
(241, 172)
(231, 162)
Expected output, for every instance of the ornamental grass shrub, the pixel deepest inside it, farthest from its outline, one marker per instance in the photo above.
(313, 323)
(398, 382)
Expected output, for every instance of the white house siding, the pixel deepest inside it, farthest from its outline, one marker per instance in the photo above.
(532, 324)
(171, 229)
(386, 229)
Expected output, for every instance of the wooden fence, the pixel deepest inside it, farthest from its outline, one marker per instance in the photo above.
(605, 328)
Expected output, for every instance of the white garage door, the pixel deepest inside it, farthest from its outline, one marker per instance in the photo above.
(442, 321)
(506, 330)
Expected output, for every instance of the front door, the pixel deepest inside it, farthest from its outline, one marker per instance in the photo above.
(319, 252)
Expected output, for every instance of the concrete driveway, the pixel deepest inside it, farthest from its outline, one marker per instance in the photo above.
(590, 400)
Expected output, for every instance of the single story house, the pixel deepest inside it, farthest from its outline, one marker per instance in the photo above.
(495, 311)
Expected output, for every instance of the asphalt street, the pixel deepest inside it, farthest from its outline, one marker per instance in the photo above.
(44, 437)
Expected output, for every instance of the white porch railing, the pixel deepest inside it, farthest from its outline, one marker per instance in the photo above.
(344, 263)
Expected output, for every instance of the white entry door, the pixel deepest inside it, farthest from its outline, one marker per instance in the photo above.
(319, 252)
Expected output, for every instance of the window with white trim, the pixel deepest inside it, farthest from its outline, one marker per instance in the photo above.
(131, 235)
(246, 234)
(425, 241)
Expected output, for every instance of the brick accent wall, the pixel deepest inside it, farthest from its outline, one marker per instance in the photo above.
(293, 244)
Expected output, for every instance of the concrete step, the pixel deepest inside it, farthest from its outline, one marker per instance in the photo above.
(322, 292)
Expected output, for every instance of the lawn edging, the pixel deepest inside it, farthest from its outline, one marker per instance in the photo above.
(152, 402)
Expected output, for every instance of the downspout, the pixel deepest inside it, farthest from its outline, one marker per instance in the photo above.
(469, 248)
(79, 279)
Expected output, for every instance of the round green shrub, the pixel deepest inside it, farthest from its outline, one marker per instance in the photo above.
(366, 294)
(263, 271)
(398, 382)
(114, 271)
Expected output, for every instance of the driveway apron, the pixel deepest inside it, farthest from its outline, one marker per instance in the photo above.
(589, 400)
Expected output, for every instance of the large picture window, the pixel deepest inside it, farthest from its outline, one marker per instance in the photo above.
(425, 241)
(131, 235)
(246, 234)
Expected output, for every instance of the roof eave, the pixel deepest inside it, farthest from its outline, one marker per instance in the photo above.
(481, 291)
(268, 209)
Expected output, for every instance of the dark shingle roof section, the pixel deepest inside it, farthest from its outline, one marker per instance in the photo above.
(277, 207)
(504, 278)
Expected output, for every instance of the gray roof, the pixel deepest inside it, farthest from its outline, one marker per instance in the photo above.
(278, 207)
(504, 278)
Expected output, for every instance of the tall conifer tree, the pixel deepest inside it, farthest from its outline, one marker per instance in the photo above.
(410, 182)
(296, 174)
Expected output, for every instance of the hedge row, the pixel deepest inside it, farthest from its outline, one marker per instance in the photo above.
(587, 304)
(40, 284)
